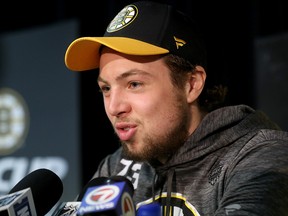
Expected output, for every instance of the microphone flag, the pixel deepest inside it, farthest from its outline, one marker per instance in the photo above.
(67, 209)
(19, 203)
(110, 199)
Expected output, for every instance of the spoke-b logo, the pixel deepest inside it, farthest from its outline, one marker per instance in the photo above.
(14, 120)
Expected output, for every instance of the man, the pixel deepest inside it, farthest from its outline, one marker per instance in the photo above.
(181, 145)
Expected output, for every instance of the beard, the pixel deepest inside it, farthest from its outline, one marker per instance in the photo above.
(163, 146)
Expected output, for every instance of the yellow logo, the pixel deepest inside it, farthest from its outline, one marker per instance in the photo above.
(123, 18)
(179, 42)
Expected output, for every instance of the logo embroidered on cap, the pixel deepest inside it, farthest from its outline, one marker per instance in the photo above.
(123, 18)
(179, 42)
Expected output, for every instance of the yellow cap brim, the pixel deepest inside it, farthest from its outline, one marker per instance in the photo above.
(83, 53)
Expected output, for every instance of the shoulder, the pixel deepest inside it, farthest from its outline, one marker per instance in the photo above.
(267, 139)
(265, 150)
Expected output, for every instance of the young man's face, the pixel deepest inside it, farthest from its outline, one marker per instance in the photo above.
(150, 116)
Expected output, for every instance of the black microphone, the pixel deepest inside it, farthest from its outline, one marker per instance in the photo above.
(70, 208)
(45, 187)
(107, 197)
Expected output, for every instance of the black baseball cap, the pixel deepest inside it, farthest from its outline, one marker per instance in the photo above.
(141, 28)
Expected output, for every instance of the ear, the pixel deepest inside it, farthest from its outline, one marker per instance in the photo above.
(195, 83)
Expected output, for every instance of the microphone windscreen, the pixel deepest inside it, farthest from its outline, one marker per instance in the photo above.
(46, 188)
(93, 182)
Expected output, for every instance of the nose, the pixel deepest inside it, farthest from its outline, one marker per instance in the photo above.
(117, 104)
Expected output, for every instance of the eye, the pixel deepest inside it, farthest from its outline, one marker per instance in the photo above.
(135, 84)
(104, 89)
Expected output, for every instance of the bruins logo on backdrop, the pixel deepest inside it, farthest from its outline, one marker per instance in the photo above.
(123, 18)
(179, 205)
(14, 120)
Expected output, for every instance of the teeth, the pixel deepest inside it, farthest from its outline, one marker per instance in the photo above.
(125, 129)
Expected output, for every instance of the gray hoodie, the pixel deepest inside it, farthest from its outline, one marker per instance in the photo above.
(234, 163)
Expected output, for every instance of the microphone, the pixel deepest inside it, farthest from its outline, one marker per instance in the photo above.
(93, 182)
(67, 209)
(107, 197)
(18, 203)
(34, 195)
(71, 208)
(151, 209)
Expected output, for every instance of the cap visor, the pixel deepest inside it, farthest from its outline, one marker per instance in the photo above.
(83, 53)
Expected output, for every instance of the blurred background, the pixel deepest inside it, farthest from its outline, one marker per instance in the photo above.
(52, 117)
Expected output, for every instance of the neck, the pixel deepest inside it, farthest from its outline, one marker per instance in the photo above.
(197, 116)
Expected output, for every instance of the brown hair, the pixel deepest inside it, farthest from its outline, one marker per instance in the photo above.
(212, 97)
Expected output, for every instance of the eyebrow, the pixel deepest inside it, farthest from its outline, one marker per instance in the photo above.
(126, 74)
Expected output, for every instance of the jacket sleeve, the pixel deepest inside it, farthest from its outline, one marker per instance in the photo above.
(257, 183)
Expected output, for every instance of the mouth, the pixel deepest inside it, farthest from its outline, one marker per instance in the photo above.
(125, 131)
